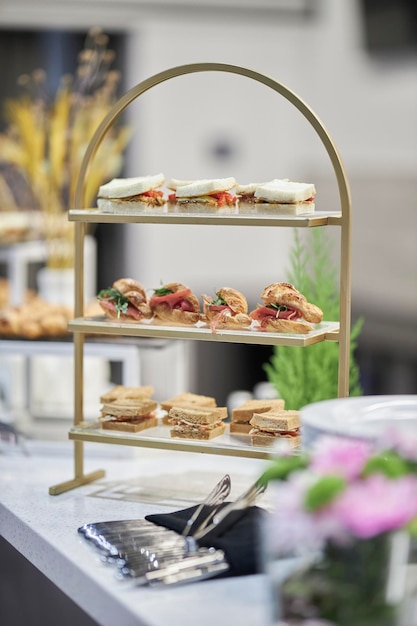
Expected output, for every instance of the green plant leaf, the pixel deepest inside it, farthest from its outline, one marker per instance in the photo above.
(387, 463)
(323, 492)
(412, 528)
(282, 467)
(302, 376)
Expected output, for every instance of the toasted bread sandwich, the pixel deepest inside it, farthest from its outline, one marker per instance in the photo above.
(130, 415)
(269, 426)
(123, 392)
(194, 422)
(186, 399)
(241, 415)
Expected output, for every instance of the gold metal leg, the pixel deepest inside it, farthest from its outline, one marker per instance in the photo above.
(79, 477)
(55, 490)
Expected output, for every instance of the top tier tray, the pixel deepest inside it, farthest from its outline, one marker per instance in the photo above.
(231, 217)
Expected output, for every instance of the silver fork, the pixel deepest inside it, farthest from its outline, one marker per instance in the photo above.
(118, 540)
(157, 559)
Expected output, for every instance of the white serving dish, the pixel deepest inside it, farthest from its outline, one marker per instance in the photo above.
(365, 417)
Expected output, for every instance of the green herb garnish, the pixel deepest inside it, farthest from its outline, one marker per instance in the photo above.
(219, 301)
(121, 303)
(277, 307)
(162, 291)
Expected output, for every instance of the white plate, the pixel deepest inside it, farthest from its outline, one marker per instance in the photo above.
(365, 417)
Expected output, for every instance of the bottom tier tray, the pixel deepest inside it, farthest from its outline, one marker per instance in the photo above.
(159, 437)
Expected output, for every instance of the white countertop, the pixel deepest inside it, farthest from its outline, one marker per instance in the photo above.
(43, 528)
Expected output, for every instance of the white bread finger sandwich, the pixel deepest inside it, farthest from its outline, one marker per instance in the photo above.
(124, 194)
(241, 415)
(273, 425)
(126, 301)
(174, 183)
(195, 422)
(228, 310)
(131, 415)
(211, 193)
(175, 303)
(186, 399)
(285, 196)
(285, 310)
(246, 193)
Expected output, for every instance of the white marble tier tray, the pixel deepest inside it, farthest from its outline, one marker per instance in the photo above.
(43, 529)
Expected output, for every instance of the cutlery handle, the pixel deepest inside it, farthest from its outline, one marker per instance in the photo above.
(214, 498)
(231, 513)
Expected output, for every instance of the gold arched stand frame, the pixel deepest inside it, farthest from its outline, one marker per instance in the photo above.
(343, 337)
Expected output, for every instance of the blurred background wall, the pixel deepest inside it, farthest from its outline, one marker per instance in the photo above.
(352, 61)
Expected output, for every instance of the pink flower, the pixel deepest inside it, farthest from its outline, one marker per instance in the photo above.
(346, 457)
(376, 505)
(402, 441)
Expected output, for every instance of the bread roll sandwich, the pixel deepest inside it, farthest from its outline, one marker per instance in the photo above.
(175, 303)
(186, 399)
(273, 425)
(124, 194)
(195, 422)
(130, 415)
(228, 310)
(212, 193)
(241, 415)
(126, 301)
(285, 310)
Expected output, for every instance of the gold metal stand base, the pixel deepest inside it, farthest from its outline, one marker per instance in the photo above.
(55, 490)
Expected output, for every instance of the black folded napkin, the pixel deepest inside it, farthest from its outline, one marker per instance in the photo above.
(240, 543)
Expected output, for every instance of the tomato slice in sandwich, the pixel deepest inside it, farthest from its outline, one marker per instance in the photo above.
(224, 197)
(153, 193)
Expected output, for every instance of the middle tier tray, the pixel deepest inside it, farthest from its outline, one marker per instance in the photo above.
(326, 331)
(159, 438)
